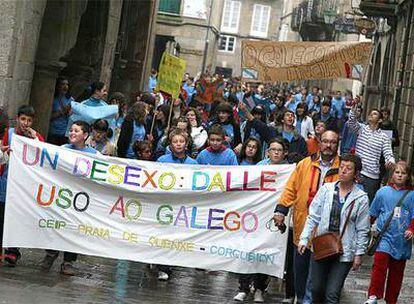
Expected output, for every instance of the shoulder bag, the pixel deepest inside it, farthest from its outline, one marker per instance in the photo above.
(329, 245)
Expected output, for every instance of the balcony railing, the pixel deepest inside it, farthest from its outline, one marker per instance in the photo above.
(379, 8)
(314, 12)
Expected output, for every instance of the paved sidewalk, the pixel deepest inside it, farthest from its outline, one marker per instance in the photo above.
(110, 281)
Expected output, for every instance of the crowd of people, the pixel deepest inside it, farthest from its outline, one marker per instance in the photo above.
(341, 164)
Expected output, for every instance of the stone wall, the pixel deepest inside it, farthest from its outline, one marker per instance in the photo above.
(19, 31)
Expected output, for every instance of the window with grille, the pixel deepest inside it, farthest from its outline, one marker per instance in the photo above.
(231, 15)
(227, 44)
(169, 6)
(260, 20)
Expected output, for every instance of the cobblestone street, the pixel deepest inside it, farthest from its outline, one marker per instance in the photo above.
(110, 281)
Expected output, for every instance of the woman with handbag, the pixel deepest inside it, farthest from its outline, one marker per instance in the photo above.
(338, 220)
(393, 209)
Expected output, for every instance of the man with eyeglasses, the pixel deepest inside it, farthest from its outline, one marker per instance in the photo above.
(310, 174)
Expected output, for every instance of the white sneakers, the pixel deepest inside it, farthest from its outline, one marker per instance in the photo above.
(162, 276)
(371, 300)
(257, 298)
(240, 297)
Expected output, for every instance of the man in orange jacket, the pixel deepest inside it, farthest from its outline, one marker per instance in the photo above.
(310, 173)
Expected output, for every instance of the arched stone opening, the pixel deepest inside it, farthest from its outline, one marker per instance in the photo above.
(77, 40)
(58, 34)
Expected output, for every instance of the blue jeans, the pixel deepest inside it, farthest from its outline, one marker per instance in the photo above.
(301, 264)
(328, 278)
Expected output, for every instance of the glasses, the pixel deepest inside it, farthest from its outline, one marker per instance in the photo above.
(274, 150)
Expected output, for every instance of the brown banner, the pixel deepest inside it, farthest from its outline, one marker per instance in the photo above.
(269, 61)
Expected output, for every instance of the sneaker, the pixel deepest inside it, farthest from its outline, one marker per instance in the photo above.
(371, 300)
(67, 269)
(240, 297)
(162, 276)
(11, 259)
(48, 261)
(288, 300)
(258, 296)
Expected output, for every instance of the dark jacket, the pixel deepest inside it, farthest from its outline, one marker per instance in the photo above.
(331, 122)
(127, 130)
(297, 147)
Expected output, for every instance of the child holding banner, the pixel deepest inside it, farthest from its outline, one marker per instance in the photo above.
(143, 150)
(78, 134)
(179, 140)
(100, 138)
(277, 152)
(24, 122)
(217, 153)
(251, 152)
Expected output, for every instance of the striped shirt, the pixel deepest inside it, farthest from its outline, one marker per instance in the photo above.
(370, 145)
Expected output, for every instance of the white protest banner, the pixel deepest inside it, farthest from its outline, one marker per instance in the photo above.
(184, 215)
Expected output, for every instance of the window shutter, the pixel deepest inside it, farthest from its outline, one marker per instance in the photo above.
(231, 14)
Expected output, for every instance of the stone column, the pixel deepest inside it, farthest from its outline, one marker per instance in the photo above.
(114, 18)
(43, 89)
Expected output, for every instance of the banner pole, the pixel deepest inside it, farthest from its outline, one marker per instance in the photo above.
(153, 122)
(170, 114)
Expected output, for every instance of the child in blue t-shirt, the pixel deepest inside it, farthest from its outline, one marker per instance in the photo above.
(78, 134)
(251, 152)
(179, 140)
(217, 153)
(395, 246)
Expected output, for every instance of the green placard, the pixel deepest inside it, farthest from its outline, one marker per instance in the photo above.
(170, 74)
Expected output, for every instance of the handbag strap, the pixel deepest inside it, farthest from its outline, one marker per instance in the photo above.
(348, 218)
(389, 219)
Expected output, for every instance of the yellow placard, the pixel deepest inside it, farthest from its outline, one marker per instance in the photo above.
(269, 61)
(170, 74)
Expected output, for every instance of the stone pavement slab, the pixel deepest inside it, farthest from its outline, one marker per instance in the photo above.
(102, 280)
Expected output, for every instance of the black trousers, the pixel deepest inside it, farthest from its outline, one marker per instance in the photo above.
(289, 273)
(259, 281)
(14, 251)
(67, 256)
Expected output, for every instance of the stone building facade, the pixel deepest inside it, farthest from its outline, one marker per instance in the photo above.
(247, 19)
(190, 29)
(390, 78)
(81, 40)
(208, 33)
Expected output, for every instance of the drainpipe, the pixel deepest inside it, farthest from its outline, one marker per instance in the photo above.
(203, 67)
